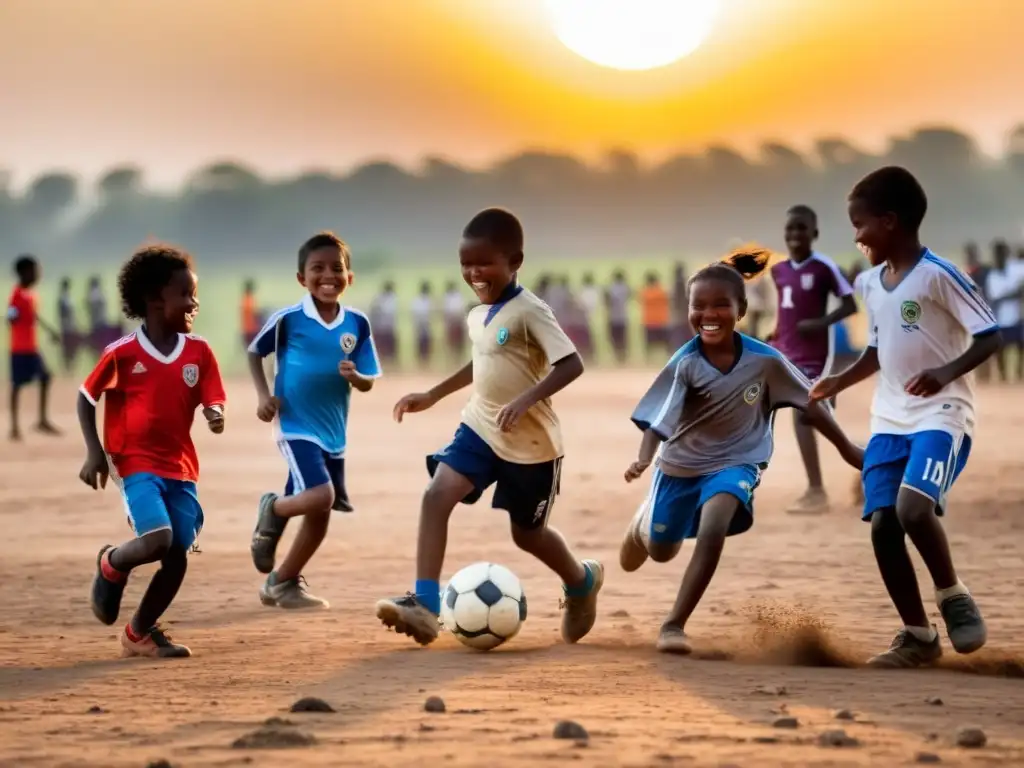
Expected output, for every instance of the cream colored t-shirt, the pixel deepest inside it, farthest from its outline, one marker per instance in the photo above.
(511, 353)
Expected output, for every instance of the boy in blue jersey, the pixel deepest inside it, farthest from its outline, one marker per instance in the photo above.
(929, 327)
(323, 351)
(707, 421)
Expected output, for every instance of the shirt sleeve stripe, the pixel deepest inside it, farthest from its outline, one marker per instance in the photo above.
(842, 284)
(965, 289)
(268, 327)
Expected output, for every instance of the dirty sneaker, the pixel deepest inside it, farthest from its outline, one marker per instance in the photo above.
(632, 552)
(907, 652)
(269, 529)
(291, 594)
(964, 625)
(155, 643)
(408, 616)
(581, 609)
(672, 639)
(107, 588)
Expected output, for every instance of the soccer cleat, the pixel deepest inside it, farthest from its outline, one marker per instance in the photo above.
(155, 643)
(813, 502)
(408, 616)
(269, 529)
(632, 552)
(106, 593)
(964, 626)
(581, 611)
(672, 639)
(291, 595)
(907, 652)
(342, 505)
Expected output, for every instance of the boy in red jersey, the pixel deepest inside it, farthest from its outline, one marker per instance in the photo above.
(154, 379)
(27, 364)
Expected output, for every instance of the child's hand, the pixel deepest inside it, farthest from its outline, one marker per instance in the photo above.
(824, 389)
(95, 470)
(348, 371)
(268, 408)
(927, 383)
(510, 415)
(636, 469)
(214, 419)
(414, 403)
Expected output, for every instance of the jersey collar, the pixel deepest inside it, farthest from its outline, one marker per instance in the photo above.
(310, 310)
(149, 349)
(737, 340)
(512, 290)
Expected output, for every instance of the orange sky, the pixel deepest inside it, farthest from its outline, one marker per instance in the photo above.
(292, 84)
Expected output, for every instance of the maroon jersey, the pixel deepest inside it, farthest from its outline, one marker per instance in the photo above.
(803, 290)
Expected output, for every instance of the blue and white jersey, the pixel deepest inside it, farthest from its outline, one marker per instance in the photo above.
(314, 396)
(926, 321)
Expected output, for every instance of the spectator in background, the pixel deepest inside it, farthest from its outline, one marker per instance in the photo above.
(252, 322)
(558, 298)
(543, 289)
(681, 330)
(68, 328)
(422, 318)
(616, 298)
(589, 298)
(978, 272)
(455, 310)
(758, 299)
(656, 314)
(1005, 286)
(383, 317)
(575, 322)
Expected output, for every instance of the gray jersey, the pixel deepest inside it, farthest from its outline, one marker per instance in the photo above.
(711, 420)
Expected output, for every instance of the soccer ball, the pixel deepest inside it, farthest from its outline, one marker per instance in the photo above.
(483, 606)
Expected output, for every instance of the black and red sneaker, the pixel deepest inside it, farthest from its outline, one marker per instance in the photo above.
(107, 588)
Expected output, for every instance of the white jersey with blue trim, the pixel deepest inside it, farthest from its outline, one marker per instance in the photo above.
(308, 351)
(926, 321)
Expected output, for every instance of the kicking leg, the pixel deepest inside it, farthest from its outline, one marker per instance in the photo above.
(284, 587)
(142, 636)
(113, 565)
(15, 433)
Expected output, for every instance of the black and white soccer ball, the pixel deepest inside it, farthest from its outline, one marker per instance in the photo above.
(483, 606)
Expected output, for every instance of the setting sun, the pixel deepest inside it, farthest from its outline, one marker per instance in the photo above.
(632, 34)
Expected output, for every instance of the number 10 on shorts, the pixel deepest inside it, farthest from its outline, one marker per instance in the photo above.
(934, 472)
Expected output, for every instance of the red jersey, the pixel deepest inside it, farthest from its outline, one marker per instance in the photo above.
(151, 403)
(21, 314)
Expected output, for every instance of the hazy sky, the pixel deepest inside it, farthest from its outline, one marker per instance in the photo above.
(288, 85)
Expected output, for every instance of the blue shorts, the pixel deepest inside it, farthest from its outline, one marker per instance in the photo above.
(155, 504)
(672, 507)
(27, 367)
(929, 462)
(309, 466)
(526, 491)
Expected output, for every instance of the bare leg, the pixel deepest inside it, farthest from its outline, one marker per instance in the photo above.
(889, 542)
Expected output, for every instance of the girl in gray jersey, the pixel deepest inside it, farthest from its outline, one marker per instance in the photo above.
(707, 420)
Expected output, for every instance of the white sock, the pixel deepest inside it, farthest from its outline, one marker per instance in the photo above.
(948, 592)
(924, 634)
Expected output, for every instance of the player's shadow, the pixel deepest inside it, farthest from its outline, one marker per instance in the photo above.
(25, 682)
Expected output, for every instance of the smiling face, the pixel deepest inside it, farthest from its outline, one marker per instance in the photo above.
(486, 269)
(801, 232)
(325, 275)
(872, 233)
(179, 301)
(714, 310)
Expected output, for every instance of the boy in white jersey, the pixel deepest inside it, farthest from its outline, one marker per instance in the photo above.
(929, 328)
(509, 436)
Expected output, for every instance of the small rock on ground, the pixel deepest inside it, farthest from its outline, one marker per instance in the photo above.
(837, 738)
(159, 764)
(434, 704)
(929, 758)
(311, 704)
(785, 722)
(971, 738)
(935, 701)
(567, 729)
(273, 738)
(843, 714)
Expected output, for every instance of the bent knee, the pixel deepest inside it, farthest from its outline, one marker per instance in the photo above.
(663, 551)
(157, 544)
(318, 501)
(527, 539)
(914, 509)
(176, 558)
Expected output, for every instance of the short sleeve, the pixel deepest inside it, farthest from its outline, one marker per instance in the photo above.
(787, 386)
(959, 296)
(102, 379)
(860, 286)
(15, 306)
(543, 329)
(838, 284)
(265, 342)
(365, 354)
(211, 385)
(661, 408)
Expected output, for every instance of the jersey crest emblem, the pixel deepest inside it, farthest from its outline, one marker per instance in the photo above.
(502, 336)
(751, 393)
(190, 373)
(807, 282)
(348, 343)
(910, 311)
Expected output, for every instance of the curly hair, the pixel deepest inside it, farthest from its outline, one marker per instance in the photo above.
(745, 263)
(324, 240)
(146, 273)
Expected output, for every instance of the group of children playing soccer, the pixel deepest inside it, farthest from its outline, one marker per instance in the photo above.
(706, 420)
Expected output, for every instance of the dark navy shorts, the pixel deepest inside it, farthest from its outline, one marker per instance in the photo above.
(27, 367)
(526, 491)
(310, 466)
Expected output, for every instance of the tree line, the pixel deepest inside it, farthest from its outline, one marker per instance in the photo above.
(615, 207)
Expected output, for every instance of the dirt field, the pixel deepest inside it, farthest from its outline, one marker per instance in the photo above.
(67, 699)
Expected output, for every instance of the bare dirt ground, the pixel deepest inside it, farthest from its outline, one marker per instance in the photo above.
(791, 595)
